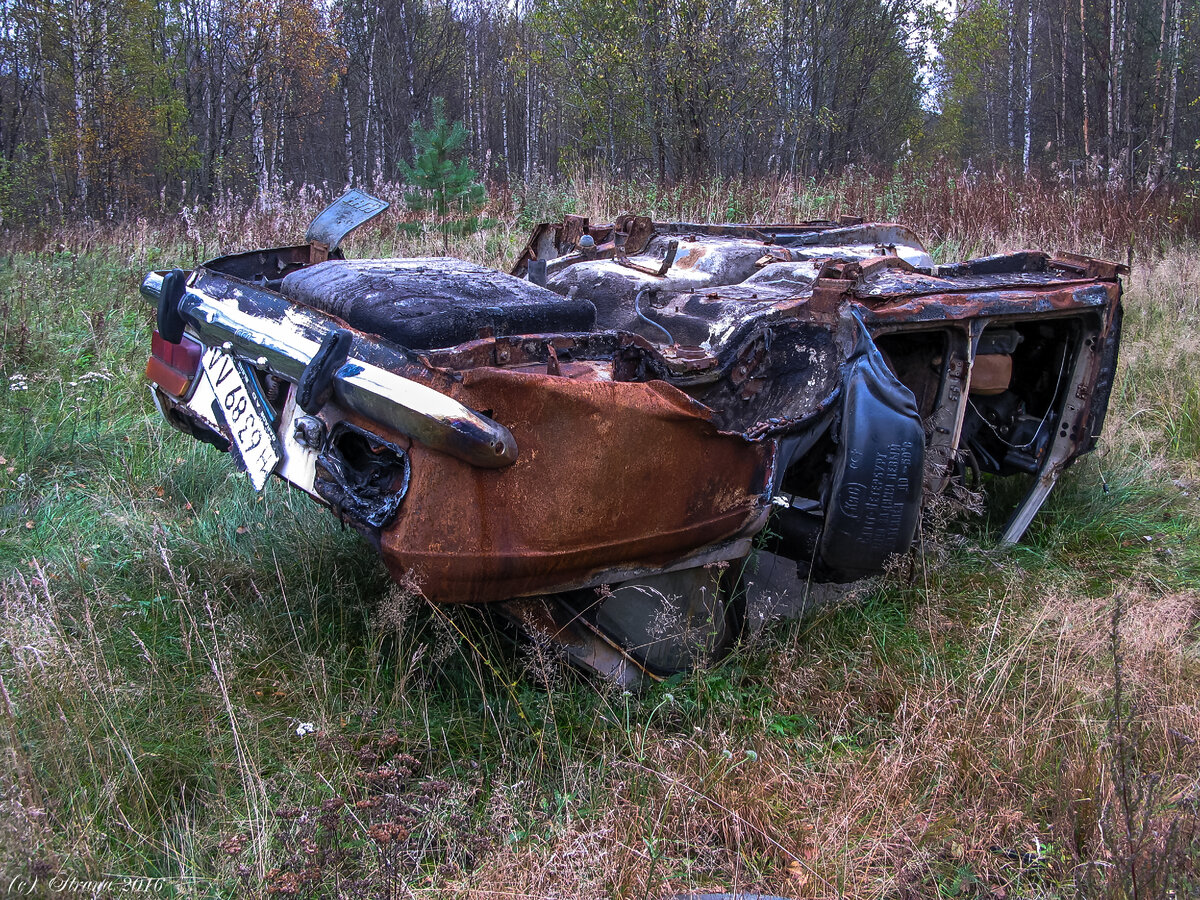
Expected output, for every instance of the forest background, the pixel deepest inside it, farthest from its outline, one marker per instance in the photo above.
(112, 107)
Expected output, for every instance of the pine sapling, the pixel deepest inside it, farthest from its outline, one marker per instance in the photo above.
(443, 181)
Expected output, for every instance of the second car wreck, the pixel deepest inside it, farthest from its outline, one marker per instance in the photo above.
(596, 442)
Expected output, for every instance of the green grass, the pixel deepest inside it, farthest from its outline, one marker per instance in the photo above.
(947, 730)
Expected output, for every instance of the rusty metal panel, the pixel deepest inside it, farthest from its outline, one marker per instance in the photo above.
(609, 474)
(939, 307)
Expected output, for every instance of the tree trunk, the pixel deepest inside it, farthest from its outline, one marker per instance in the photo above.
(1110, 124)
(42, 101)
(1060, 130)
(479, 133)
(612, 131)
(785, 84)
(1083, 79)
(1126, 126)
(77, 74)
(410, 88)
(504, 79)
(1012, 65)
(1173, 93)
(258, 131)
(1028, 86)
(99, 109)
(372, 164)
(222, 128)
(348, 134)
(1154, 169)
(276, 171)
(528, 116)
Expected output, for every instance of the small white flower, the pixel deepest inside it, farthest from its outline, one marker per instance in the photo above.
(305, 728)
(669, 698)
(751, 755)
(17, 382)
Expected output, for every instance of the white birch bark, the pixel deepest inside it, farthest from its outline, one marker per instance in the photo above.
(77, 76)
(1028, 85)
(259, 138)
(372, 143)
(348, 134)
(479, 132)
(1083, 77)
(98, 110)
(504, 122)
(1061, 126)
(223, 122)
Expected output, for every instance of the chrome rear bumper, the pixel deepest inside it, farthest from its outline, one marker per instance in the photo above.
(276, 336)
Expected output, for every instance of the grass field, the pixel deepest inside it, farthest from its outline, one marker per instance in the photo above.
(223, 693)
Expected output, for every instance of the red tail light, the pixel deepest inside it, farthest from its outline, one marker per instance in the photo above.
(173, 367)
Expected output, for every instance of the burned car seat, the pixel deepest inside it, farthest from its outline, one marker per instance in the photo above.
(424, 304)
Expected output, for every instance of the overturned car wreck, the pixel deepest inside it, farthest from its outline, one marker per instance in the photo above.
(595, 442)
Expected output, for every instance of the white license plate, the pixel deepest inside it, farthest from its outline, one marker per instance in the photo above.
(241, 411)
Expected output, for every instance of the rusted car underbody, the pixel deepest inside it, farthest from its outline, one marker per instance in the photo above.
(596, 442)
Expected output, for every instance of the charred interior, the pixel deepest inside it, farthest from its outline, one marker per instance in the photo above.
(1014, 409)
(361, 475)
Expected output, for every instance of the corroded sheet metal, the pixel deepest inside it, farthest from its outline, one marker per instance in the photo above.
(609, 474)
(946, 307)
(630, 234)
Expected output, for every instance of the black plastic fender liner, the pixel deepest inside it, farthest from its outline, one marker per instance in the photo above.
(874, 500)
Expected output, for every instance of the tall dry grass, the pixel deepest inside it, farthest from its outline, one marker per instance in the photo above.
(968, 213)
